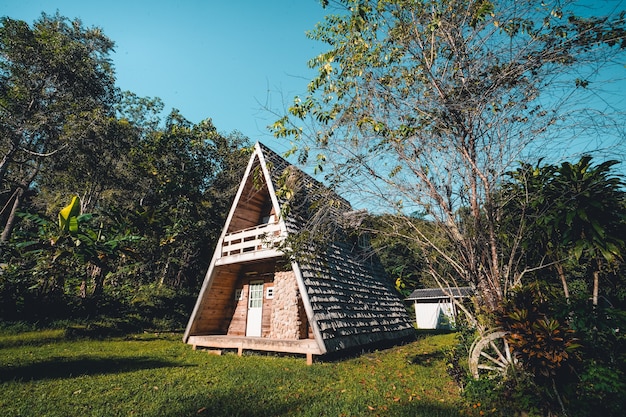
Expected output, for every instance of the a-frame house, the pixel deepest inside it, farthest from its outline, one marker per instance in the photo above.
(254, 297)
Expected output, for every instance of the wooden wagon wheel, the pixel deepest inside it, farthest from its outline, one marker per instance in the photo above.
(490, 354)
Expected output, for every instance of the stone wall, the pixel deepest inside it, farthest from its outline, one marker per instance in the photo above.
(288, 318)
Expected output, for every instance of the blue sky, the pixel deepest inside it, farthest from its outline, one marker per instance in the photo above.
(232, 60)
(224, 60)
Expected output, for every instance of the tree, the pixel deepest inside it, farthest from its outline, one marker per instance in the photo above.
(528, 203)
(52, 75)
(57, 266)
(404, 265)
(96, 167)
(425, 105)
(590, 214)
(156, 193)
(573, 214)
(184, 177)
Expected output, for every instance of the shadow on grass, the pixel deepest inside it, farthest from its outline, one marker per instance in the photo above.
(60, 368)
(428, 359)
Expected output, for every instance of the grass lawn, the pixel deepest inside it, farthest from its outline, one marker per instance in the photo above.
(45, 374)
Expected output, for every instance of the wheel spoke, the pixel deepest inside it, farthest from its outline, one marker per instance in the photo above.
(508, 351)
(498, 352)
(494, 360)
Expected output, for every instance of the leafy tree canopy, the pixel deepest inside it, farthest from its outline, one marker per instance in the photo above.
(54, 76)
(425, 105)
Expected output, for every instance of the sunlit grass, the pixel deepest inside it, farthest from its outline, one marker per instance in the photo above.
(156, 375)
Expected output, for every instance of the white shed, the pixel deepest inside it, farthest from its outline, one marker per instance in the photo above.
(434, 307)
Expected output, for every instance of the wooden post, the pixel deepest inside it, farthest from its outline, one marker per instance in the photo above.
(309, 359)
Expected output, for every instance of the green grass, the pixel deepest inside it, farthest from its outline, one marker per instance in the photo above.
(45, 374)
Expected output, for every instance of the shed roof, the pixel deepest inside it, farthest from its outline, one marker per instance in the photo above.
(438, 293)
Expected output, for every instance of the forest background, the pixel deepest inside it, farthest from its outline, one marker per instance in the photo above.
(153, 193)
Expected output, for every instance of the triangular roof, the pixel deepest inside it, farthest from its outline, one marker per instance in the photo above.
(347, 297)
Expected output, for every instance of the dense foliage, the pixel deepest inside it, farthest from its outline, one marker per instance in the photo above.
(150, 196)
(564, 319)
(427, 107)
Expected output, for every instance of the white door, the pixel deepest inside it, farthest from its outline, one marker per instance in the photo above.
(255, 309)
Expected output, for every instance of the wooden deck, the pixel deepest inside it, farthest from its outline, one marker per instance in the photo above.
(308, 347)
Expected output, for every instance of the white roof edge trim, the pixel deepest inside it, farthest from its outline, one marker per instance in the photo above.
(270, 185)
(307, 307)
(206, 284)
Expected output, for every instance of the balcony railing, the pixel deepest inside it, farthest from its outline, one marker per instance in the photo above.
(253, 240)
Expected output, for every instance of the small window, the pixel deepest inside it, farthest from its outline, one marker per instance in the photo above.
(238, 294)
(364, 241)
(269, 219)
(269, 293)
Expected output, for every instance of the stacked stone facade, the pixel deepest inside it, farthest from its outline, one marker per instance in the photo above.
(288, 316)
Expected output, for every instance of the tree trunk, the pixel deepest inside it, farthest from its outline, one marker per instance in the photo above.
(83, 289)
(596, 281)
(596, 284)
(97, 273)
(490, 295)
(8, 226)
(561, 272)
(19, 194)
(7, 159)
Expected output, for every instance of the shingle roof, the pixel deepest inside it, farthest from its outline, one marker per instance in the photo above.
(309, 196)
(437, 293)
(352, 299)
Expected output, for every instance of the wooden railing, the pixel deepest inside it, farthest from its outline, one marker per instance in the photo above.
(254, 239)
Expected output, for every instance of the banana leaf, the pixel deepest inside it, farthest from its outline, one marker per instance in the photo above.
(68, 216)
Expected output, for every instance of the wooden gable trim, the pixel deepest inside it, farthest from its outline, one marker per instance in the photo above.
(242, 186)
(317, 334)
(200, 300)
(270, 186)
(208, 278)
